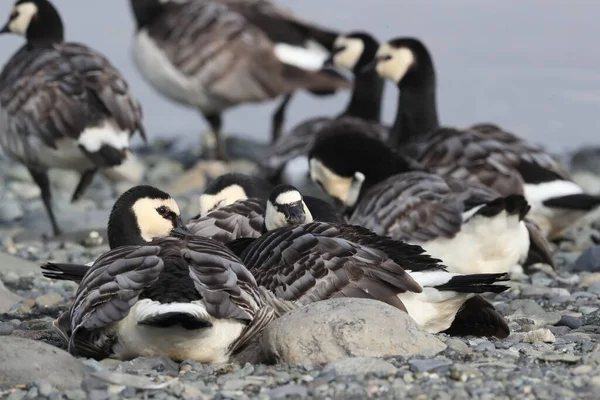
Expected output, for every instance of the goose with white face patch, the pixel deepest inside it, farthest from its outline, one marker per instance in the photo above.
(214, 55)
(482, 153)
(239, 206)
(152, 294)
(468, 226)
(313, 261)
(287, 161)
(64, 105)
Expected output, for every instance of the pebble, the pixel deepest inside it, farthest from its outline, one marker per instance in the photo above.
(484, 346)
(428, 365)
(360, 366)
(539, 335)
(49, 300)
(588, 261)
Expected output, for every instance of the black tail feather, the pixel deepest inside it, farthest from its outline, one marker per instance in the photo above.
(478, 317)
(514, 204)
(64, 271)
(579, 201)
(476, 283)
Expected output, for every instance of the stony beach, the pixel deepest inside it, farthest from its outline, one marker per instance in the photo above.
(553, 351)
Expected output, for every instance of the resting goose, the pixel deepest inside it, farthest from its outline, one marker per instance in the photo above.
(287, 162)
(483, 153)
(214, 55)
(151, 294)
(64, 105)
(317, 260)
(243, 217)
(469, 227)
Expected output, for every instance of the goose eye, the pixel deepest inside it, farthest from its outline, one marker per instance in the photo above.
(13, 15)
(163, 211)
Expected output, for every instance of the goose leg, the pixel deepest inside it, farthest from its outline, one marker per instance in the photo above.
(84, 183)
(41, 179)
(279, 118)
(215, 123)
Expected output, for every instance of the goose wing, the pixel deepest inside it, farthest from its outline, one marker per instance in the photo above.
(107, 293)
(228, 289)
(487, 155)
(414, 206)
(297, 264)
(42, 99)
(221, 52)
(241, 219)
(110, 91)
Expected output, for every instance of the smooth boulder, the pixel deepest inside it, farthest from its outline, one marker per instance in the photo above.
(345, 327)
(24, 361)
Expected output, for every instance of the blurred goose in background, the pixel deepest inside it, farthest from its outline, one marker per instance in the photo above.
(182, 297)
(213, 55)
(468, 226)
(287, 161)
(64, 105)
(483, 153)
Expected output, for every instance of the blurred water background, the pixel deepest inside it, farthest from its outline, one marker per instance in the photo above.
(532, 67)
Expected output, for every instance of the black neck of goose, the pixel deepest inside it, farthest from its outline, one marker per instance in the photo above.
(416, 115)
(365, 102)
(383, 164)
(123, 229)
(46, 28)
(146, 12)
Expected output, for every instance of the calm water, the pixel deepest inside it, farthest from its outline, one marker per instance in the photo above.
(531, 66)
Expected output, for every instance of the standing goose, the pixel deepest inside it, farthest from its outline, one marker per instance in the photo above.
(209, 55)
(318, 260)
(483, 153)
(151, 294)
(64, 105)
(468, 226)
(287, 160)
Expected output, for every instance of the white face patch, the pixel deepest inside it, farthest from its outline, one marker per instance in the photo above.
(276, 219)
(336, 186)
(394, 63)
(153, 225)
(25, 12)
(228, 195)
(353, 49)
(293, 196)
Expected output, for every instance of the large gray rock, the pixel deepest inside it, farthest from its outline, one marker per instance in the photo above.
(337, 328)
(10, 263)
(7, 298)
(24, 361)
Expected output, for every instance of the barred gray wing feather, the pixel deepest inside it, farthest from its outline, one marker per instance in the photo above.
(414, 206)
(107, 84)
(298, 265)
(242, 219)
(107, 293)
(484, 154)
(227, 288)
(42, 100)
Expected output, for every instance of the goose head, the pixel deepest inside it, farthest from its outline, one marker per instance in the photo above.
(404, 61)
(229, 188)
(286, 207)
(345, 162)
(142, 214)
(354, 51)
(37, 20)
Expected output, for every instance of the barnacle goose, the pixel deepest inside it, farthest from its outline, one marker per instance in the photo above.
(182, 297)
(287, 160)
(313, 261)
(468, 226)
(241, 215)
(213, 55)
(64, 105)
(482, 153)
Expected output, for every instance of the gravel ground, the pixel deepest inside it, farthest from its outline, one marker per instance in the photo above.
(553, 351)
